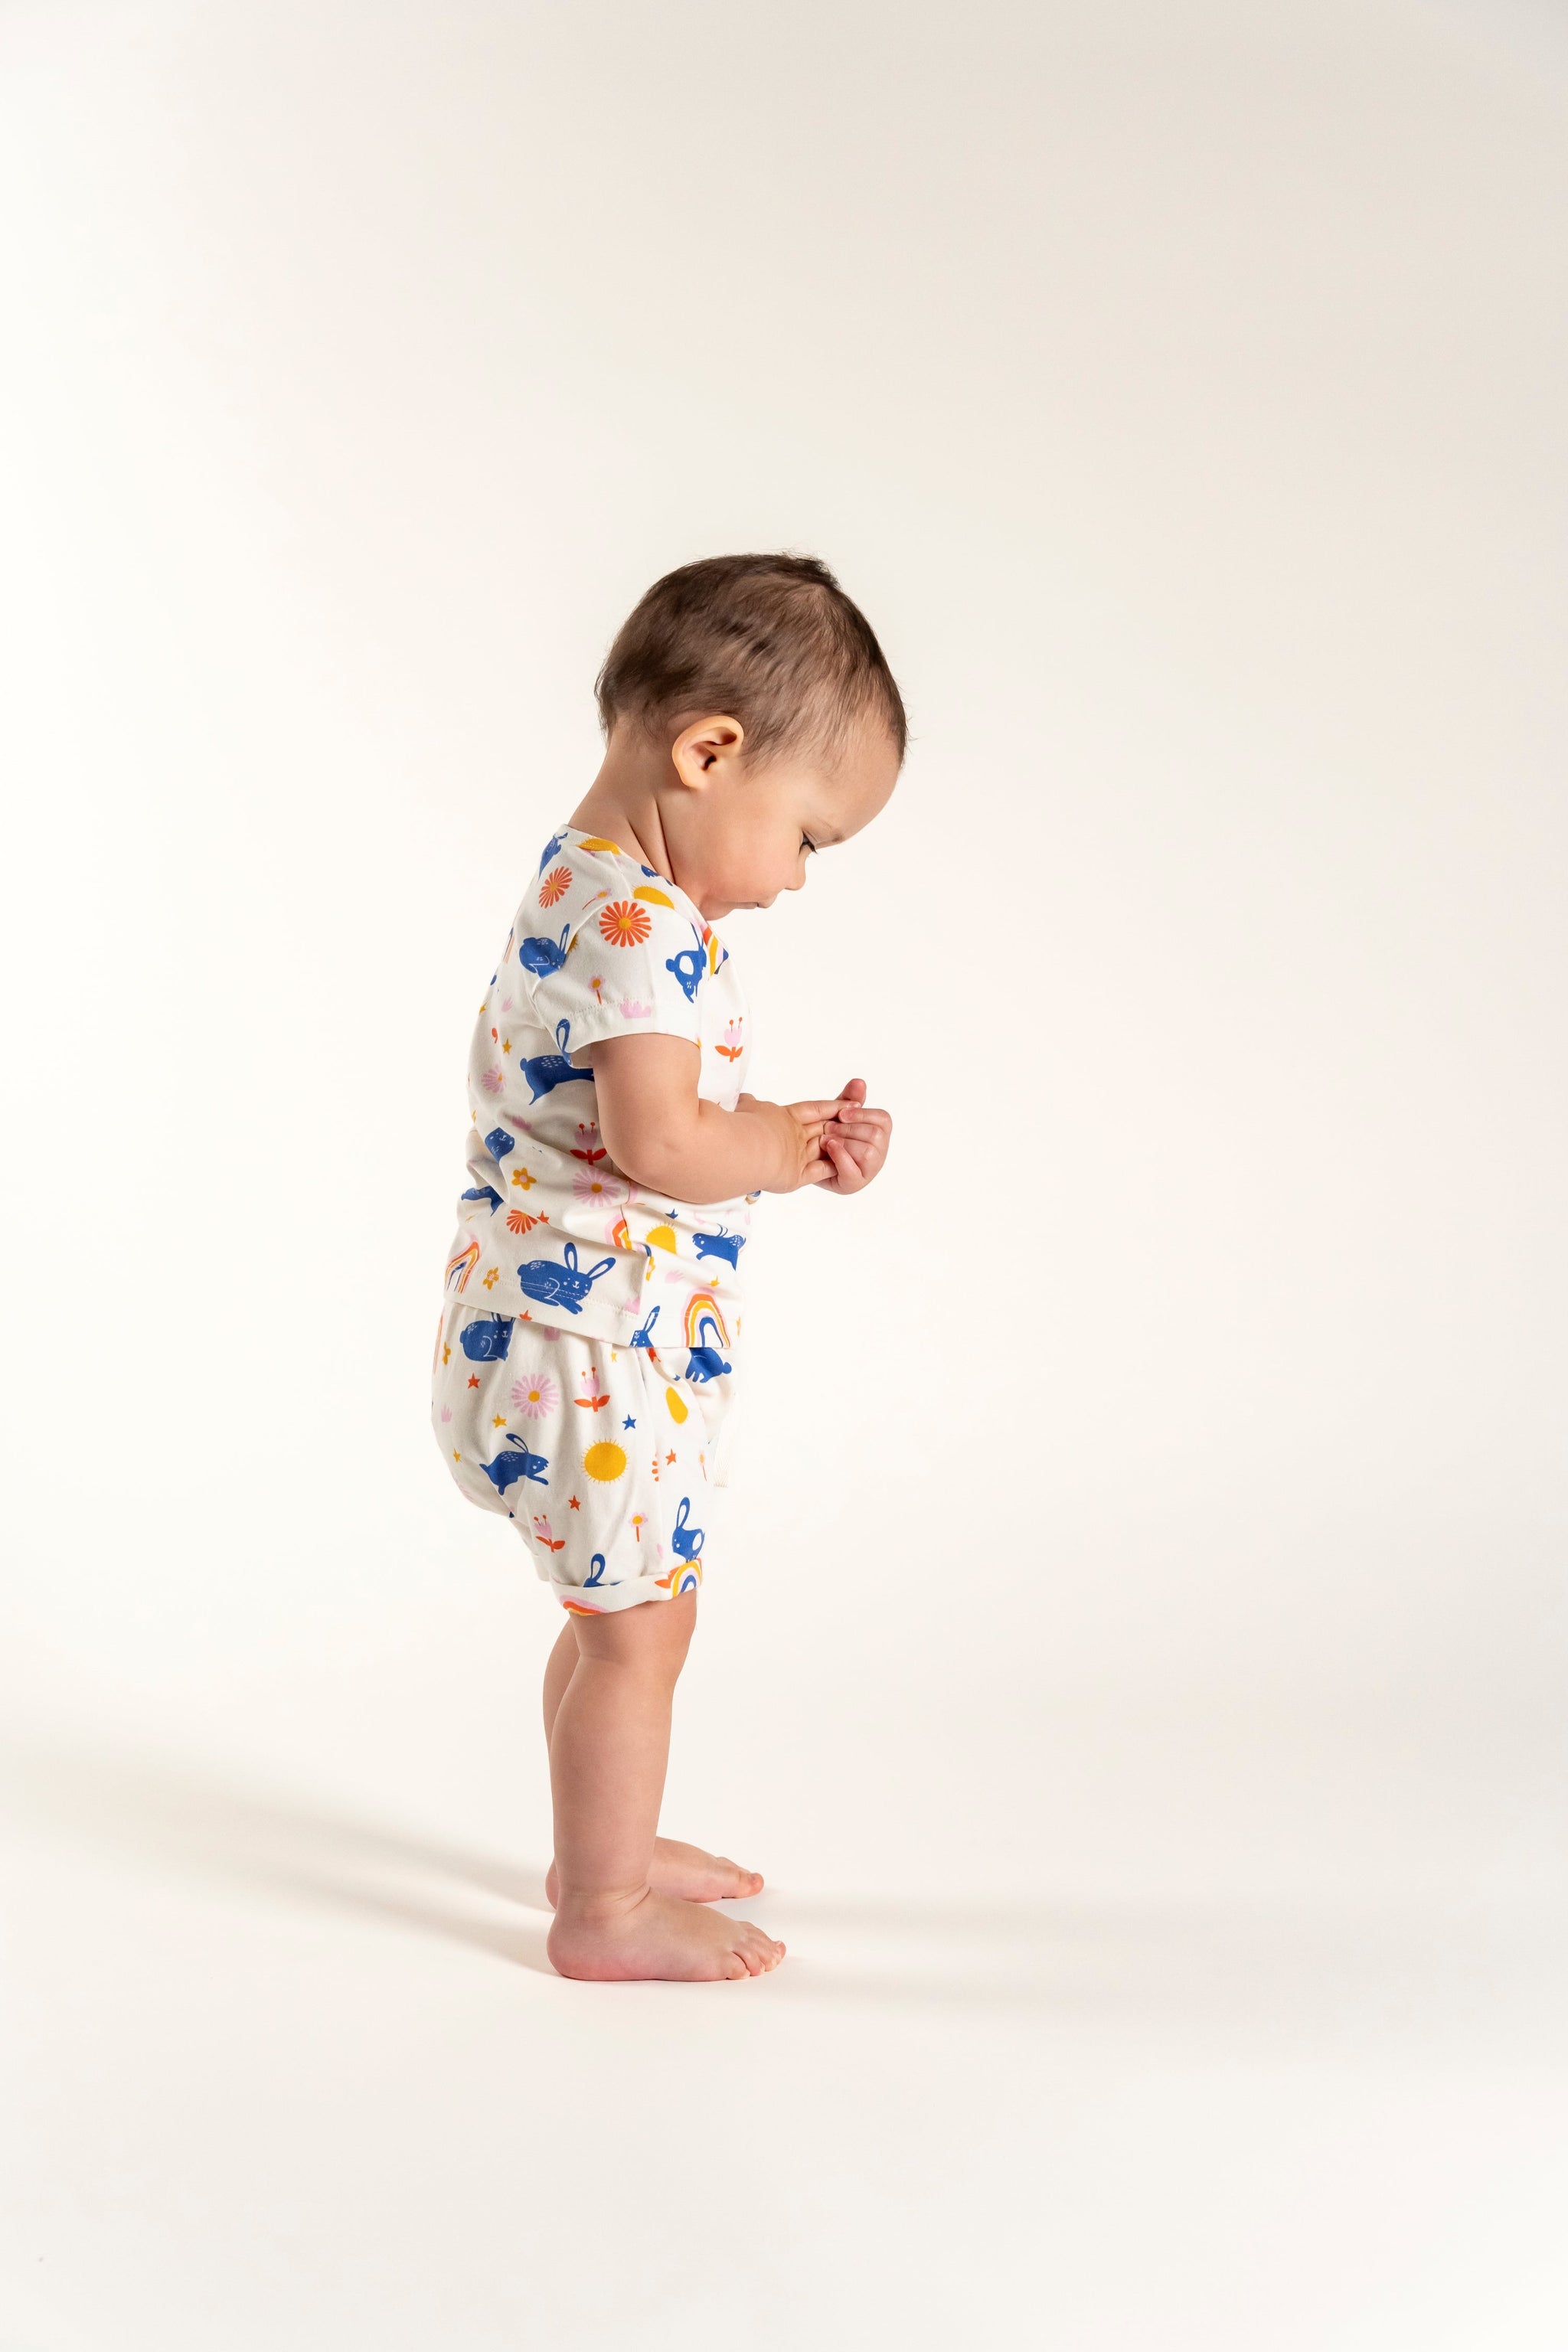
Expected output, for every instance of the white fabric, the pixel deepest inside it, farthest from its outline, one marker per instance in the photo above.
(550, 1230)
(602, 1457)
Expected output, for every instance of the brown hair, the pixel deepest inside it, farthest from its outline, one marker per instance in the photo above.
(771, 640)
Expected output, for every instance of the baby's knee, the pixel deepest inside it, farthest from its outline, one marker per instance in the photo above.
(651, 1638)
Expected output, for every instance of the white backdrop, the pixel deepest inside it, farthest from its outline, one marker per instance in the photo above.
(1135, 1650)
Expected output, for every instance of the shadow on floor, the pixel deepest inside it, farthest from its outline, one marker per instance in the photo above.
(203, 1820)
(1250, 1970)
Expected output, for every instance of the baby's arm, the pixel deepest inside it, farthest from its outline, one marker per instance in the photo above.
(665, 1137)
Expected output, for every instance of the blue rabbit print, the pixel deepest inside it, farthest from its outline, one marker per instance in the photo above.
(540, 956)
(544, 1072)
(541, 1278)
(514, 1462)
(719, 1244)
(486, 1340)
(704, 1362)
(643, 1336)
(689, 967)
(686, 1541)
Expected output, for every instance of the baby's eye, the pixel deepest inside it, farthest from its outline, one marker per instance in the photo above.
(806, 842)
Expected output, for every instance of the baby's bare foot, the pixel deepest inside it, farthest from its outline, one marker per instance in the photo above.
(659, 1935)
(688, 1870)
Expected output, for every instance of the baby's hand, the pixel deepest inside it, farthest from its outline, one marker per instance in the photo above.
(854, 1142)
(797, 1129)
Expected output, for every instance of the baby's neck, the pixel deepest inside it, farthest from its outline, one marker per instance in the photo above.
(622, 803)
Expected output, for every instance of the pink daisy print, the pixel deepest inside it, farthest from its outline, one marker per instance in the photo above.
(536, 1399)
(589, 1184)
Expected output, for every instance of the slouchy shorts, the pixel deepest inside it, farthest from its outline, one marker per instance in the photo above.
(601, 1455)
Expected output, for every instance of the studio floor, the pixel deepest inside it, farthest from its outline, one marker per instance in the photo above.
(286, 2063)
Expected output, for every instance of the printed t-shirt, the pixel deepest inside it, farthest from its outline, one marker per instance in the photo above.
(549, 1227)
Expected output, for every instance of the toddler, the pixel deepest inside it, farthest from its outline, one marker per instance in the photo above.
(587, 1347)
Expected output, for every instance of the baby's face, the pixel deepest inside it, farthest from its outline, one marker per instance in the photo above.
(752, 834)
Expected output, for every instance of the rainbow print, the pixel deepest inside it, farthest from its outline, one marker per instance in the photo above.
(700, 1304)
(686, 1576)
(460, 1267)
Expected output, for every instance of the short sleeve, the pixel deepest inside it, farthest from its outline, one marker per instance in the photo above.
(631, 961)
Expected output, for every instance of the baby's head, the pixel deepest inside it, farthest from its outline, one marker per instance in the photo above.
(750, 696)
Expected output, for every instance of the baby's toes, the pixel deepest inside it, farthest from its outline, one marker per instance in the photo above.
(761, 1951)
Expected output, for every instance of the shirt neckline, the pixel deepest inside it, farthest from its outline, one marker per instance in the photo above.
(629, 857)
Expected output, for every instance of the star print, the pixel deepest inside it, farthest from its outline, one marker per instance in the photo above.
(473, 1379)
(669, 1457)
(445, 1355)
(630, 1421)
(574, 1505)
(497, 1421)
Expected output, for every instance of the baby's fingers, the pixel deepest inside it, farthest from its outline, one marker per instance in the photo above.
(849, 1176)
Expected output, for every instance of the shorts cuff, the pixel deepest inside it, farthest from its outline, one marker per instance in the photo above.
(603, 1600)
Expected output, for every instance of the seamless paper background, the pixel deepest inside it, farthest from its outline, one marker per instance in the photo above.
(1135, 1648)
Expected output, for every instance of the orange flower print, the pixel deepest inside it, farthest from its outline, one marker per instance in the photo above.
(555, 884)
(625, 924)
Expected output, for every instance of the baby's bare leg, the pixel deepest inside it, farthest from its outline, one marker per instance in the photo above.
(676, 1868)
(608, 1749)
